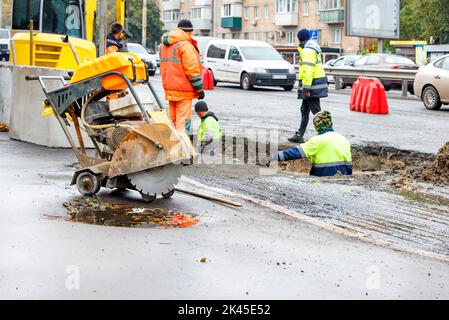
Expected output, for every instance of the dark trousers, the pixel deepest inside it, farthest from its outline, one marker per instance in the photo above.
(311, 104)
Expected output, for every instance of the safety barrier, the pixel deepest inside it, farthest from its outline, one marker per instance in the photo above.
(392, 74)
(208, 80)
(368, 95)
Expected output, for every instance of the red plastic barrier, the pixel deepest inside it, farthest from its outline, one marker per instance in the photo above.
(208, 80)
(368, 95)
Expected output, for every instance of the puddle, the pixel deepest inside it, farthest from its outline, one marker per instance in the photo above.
(92, 211)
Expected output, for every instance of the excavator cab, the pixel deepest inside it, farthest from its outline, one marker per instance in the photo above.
(61, 37)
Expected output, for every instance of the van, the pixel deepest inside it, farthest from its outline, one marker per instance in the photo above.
(249, 63)
(5, 39)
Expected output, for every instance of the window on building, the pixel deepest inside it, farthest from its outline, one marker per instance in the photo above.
(170, 15)
(267, 11)
(284, 6)
(290, 37)
(246, 10)
(256, 12)
(256, 35)
(236, 35)
(223, 35)
(226, 12)
(267, 36)
(196, 13)
(246, 36)
(306, 7)
(336, 35)
(329, 4)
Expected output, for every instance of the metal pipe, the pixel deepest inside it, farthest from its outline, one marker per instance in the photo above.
(203, 196)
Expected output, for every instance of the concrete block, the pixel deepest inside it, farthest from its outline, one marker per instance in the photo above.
(5, 92)
(26, 122)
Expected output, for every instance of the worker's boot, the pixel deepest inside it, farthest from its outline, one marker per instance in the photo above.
(296, 139)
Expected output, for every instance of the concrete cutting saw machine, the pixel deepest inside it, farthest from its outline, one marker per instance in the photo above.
(136, 145)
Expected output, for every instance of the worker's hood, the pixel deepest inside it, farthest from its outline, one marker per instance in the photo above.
(178, 35)
(210, 114)
(312, 44)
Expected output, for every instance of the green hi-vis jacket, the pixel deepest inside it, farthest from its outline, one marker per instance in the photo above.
(312, 77)
(209, 135)
(329, 152)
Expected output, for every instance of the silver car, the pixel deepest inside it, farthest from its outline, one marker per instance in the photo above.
(432, 83)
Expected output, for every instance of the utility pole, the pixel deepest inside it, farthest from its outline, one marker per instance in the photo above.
(144, 24)
(102, 8)
(1, 11)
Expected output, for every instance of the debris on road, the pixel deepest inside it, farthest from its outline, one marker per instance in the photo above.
(4, 127)
(439, 173)
(202, 260)
(94, 211)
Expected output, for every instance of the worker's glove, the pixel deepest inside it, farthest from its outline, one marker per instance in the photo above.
(201, 95)
(266, 161)
(307, 93)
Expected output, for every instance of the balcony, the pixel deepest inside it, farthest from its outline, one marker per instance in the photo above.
(201, 17)
(203, 3)
(170, 25)
(286, 19)
(202, 24)
(171, 5)
(231, 22)
(332, 16)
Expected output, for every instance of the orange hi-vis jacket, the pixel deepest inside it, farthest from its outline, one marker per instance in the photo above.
(180, 66)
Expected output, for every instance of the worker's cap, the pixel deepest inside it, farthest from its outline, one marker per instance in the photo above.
(185, 25)
(322, 121)
(201, 106)
(303, 35)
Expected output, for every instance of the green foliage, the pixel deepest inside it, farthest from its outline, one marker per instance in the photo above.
(421, 19)
(154, 24)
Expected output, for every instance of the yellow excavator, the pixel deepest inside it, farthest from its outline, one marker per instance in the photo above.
(63, 31)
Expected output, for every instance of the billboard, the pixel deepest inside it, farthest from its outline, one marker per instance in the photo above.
(372, 18)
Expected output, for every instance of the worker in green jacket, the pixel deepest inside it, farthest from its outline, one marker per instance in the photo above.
(209, 132)
(329, 152)
(312, 81)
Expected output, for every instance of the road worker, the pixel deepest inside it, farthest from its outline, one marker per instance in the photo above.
(312, 81)
(329, 152)
(114, 38)
(181, 73)
(209, 132)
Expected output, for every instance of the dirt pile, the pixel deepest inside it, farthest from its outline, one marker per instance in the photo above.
(439, 173)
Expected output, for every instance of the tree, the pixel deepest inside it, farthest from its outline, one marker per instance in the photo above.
(154, 24)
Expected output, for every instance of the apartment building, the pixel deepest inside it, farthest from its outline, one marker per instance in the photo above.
(273, 21)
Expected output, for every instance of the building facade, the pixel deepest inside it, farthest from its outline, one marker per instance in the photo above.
(273, 21)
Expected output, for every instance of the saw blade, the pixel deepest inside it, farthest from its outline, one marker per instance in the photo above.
(156, 180)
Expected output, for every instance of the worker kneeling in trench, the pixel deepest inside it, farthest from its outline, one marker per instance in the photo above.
(329, 152)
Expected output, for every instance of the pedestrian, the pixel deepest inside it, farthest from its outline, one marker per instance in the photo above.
(312, 81)
(329, 152)
(114, 38)
(209, 132)
(181, 73)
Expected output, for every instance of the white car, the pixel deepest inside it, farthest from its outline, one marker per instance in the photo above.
(249, 63)
(343, 61)
(5, 39)
(432, 83)
(145, 56)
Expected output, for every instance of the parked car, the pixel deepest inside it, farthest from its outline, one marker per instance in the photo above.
(249, 63)
(343, 61)
(145, 56)
(5, 40)
(432, 83)
(384, 61)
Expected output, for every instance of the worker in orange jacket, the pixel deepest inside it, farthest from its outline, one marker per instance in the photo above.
(114, 38)
(181, 73)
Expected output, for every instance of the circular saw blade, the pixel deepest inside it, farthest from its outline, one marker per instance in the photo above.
(156, 180)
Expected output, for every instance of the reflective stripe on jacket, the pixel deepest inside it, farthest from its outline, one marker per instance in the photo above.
(180, 66)
(311, 75)
(330, 154)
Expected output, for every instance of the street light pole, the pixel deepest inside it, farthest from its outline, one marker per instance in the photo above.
(144, 24)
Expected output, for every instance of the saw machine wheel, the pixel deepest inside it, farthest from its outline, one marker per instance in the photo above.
(87, 183)
(148, 197)
(168, 194)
